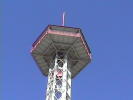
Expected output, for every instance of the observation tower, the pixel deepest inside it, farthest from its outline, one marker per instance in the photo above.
(60, 52)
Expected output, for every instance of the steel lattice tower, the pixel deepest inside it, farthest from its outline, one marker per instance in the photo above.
(59, 79)
(61, 53)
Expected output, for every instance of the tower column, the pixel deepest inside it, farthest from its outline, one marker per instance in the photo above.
(59, 79)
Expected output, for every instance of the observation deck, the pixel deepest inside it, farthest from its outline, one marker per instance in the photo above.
(68, 40)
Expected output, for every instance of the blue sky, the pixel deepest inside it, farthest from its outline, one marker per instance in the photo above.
(108, 29)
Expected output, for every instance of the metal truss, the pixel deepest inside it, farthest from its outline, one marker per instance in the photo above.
(59, 79)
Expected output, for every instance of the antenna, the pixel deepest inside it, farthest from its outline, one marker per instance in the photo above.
(63, 18)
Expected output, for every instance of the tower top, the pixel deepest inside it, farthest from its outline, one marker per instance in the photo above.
(69, 40)
(63, 18)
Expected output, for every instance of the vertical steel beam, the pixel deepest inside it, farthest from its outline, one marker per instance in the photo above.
(59, 79)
